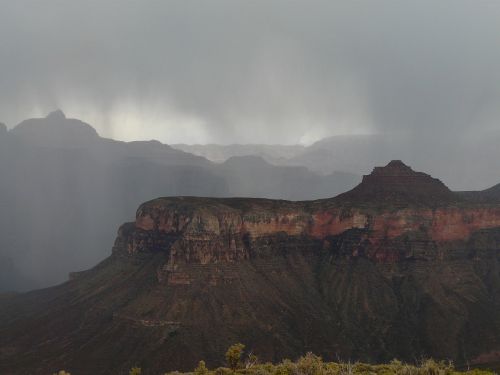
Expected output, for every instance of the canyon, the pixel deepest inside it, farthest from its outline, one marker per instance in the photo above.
(55, 167)
(398, 267)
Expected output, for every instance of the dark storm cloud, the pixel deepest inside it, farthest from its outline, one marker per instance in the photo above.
(253, 71)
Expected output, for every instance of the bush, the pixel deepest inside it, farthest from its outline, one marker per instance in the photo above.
(431, 367)
(233, 356)
(201, 369)
(310, 364)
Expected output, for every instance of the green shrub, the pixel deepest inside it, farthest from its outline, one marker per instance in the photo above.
(310, 364)
(201, 369)
(233, 356)
(286, 367)
(332, 368)
(346, 368)
(431, 367)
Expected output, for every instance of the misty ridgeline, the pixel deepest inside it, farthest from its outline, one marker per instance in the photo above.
(65, 190)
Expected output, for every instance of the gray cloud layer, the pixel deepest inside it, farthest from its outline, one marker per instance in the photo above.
(253, 71)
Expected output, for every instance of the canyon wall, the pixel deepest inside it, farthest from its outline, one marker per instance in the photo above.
(399, 267)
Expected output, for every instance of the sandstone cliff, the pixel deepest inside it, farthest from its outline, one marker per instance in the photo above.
(398, 267)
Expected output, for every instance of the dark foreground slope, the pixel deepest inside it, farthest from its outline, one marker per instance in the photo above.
(399, 267)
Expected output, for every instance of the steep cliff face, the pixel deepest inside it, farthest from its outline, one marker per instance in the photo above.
(399, 267)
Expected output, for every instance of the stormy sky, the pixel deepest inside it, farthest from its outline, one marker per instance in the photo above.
(253, 71)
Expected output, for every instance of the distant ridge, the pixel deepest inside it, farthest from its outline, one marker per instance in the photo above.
(56, 115)
(56, 130)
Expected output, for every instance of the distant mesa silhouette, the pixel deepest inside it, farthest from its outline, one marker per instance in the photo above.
(56, 130)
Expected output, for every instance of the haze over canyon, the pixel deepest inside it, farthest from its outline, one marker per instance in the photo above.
(317, 180)
(64, 189)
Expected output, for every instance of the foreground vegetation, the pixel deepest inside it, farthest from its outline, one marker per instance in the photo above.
(310, 364)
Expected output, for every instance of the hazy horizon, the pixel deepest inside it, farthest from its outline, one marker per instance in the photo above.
(116, 138)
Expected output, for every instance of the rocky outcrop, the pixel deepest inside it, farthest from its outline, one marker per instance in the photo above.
(360, 276)
(397, 183)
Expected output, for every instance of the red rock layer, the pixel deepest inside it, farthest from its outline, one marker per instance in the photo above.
(213, 231)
